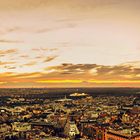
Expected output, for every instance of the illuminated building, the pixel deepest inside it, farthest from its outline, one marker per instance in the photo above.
(65, 99)
(71, 129)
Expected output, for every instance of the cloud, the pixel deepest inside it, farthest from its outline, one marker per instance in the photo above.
(5, 63)
(23, 4)
(9, 30)
(10, 67)
(46, 30)
(24, 56)
(50, 58)
(68, 68)
(54, 49)
(32, 63)
(69, 74)
(20, 77)
(39, 49)
(4, 31)
(28, 75)
(98, 72)
(1, 83)
(10, 41)
(39, 57)
(13, 29)
(9, 51)
(44, 49)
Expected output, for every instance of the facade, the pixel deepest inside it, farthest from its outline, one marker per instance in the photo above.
(4, 128)
(17, 126)
(92, 132)
(113, 135)
(71, 129)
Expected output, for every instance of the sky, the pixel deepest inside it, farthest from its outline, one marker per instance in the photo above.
(76, 43)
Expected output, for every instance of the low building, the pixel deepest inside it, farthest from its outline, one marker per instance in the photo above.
(4, 128)
(21, 127)
(115, 135)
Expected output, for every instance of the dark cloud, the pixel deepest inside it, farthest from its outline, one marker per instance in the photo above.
(2, 55)
(69, 68)
(99, 72)
(82, 71)
(10, 67)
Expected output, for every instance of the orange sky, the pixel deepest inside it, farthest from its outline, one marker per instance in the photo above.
(62, 43)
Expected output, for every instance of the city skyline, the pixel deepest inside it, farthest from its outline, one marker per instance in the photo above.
(77, 43)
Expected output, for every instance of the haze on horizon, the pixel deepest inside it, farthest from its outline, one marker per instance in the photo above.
(76, 43)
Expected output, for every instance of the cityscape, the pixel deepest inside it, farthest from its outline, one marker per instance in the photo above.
(60, 114)
(69, 69)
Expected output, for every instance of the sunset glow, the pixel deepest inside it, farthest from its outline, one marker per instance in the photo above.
(76, 43)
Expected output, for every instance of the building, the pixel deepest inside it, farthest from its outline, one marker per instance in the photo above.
(71, 129)
(114, 135)
(65, 99)
(21, 127)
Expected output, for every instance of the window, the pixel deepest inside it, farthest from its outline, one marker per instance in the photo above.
(111, 139)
